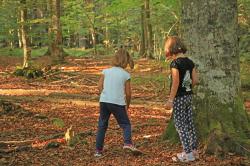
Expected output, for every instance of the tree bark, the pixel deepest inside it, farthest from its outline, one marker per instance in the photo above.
(20, 44)
(24, 36)
(143, 43)
(93, 38)
(209, 29)
(148, 31)
(55, 48)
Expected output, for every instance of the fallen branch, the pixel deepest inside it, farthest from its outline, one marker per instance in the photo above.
(44, 143)
(64, 80)
(91, 81)
(15, 142)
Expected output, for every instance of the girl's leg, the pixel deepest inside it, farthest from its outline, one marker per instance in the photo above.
(180, 120)
(102, 125)
(190, 123)
(122, 119)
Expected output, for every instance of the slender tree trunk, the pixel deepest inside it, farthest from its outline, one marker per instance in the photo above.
(20, 44)
(142, 48)
(11, 39)
(107, 39)
(93, 38)
(55, 48)
(145, 31)
(94, 29)
(210, 32)
(148, 30)
(24, 36)
(93, 34)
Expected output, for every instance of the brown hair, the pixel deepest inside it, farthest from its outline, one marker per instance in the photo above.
(174, 45)
(122, 59)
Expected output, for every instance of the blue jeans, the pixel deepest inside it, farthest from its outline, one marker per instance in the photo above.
(121, 116)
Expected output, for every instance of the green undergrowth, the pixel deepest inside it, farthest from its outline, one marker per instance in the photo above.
(35, 52)
(28, 72)
(245, 75)
(18, 52)
(157, 79)
(77, 52)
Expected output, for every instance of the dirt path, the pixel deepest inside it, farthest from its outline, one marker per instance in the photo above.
(70, 94)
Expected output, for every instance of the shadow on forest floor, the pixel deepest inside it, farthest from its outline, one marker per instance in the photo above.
(71, 96)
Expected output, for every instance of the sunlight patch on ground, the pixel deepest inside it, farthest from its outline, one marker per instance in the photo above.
(27, 92)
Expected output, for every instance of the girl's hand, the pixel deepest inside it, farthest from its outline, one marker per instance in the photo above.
(169, 105)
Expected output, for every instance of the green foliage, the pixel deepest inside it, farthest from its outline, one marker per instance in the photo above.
(18, 52)
(116, 22)
(58, 122)
(28, 72)
(52, 145)
(158, 79)
(244, 73)
(78, 52)
(6, 51)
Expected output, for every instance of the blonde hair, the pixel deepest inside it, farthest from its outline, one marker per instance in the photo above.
(122, 59)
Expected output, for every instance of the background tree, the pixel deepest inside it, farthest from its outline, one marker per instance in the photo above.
(24, 35)
(55, 47)
(95, 25)
(210, 30)
(148, 30)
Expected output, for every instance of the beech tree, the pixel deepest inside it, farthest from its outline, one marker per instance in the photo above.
(24, 36)
(55, 47)
(209, 29)
(146, 31)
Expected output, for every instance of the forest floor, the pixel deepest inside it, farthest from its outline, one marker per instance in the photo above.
(68, 96)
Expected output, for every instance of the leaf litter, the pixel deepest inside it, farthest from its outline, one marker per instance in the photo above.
(71, 101)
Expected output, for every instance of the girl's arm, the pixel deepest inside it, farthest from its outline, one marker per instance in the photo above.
(100, 83)
(128, 92)
(195, 79)
(175, 84)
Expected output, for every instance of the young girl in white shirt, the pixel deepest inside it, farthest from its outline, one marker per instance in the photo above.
(114, 86)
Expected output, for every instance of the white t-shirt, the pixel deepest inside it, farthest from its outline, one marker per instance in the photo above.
(114, 85)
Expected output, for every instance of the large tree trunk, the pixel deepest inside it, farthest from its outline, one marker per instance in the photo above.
(55, 48)
(24, 36)
(209, 29)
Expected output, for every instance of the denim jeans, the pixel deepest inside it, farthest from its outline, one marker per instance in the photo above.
(121, 116)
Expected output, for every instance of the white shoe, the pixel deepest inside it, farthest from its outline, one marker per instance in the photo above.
(185, 157)
(98, 153)
(196, 154)
(131, 148)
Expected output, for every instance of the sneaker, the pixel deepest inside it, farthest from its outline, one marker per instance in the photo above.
(98, 153)
(185, 157)
(131, 148)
